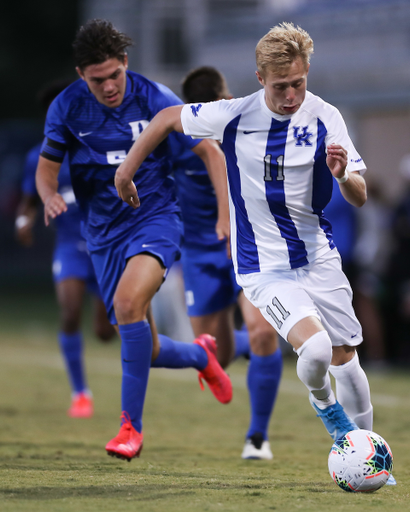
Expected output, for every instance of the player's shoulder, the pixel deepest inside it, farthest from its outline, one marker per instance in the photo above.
(71, 97)
(226, 110)
(143, 86)
(320, 108)
(242, 104)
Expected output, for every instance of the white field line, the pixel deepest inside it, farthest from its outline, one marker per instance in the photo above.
(105, 366)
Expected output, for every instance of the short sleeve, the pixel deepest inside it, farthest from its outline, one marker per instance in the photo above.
(55, 127)
(206, 120)
(338, 134)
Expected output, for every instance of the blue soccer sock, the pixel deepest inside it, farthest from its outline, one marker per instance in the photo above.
(263, 382)
(71, 346)
(242, 348)
(177, 354)
(136, 350)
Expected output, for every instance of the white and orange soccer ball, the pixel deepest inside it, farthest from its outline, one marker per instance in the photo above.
(361, 461)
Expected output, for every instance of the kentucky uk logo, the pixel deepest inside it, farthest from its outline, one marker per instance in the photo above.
(302, 138)
(195, 109)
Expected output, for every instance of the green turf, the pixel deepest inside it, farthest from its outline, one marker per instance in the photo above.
(191, 456)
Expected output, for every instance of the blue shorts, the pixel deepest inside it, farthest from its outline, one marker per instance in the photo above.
(209, 278)
(160, 236)
(71, 260)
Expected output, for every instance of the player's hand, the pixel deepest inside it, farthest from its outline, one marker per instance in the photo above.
(126, 189)
(223, 232)
(336, 160)
(53, 207)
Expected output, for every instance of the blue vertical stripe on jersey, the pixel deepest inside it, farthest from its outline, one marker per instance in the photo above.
(275, 195)
(247, 252)
(322, 183)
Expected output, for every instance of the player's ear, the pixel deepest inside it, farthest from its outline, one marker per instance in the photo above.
(260, 78)
(126, 61)
(80, 73)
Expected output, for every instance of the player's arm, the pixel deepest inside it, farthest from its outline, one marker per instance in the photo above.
(159, 128)
(214, 159)
(47, 186)
(26, 218)
(354, 188)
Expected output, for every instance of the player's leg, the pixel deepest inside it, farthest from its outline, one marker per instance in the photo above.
(352, 386)
(264, 373)
(70, 294)
(220, 325)
(286, 305)
(102, 327)
(331, 292)
(211, 292)
(201, 355)
(137, 285)
(169, 353)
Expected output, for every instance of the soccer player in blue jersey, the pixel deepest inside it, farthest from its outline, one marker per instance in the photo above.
(95, 121)
(283, 145)
(73, 272)
(210, 285)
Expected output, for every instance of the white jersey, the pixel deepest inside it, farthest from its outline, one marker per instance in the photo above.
(279, 182)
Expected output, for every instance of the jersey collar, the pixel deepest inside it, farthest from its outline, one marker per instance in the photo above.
(278, 117)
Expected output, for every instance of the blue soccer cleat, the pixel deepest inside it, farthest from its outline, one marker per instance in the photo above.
(334, 418)
(391, 480)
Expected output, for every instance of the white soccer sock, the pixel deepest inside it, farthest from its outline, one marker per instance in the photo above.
(353, 392)
(313, 364)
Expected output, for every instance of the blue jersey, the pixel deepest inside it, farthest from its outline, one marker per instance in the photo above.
(197, 200)
(97, 139)
(342, 217)
(69, 223)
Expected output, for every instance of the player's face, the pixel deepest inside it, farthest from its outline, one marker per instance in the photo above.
(285, 92)
(107, 81)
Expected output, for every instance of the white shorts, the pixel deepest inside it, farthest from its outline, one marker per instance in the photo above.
(320, 289)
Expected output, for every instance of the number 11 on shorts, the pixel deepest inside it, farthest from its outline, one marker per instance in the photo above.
(279, 307)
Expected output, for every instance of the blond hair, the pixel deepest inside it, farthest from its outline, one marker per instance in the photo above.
(281, 46)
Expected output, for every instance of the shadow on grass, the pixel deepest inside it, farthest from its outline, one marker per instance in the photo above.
(133, 492)
(152, 492)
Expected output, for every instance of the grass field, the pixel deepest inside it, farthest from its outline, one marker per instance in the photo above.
(191, 457)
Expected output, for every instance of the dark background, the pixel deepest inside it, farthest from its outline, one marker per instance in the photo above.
(35, 49)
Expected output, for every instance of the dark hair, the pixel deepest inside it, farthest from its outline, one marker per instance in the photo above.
(204, 84)
(98, 41)
(49, 91)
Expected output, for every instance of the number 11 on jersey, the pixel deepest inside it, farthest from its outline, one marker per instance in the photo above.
(268, 168)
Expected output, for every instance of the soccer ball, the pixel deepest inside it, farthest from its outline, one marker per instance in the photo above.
(360, 461)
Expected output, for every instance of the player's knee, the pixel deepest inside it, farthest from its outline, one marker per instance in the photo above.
(342, 355)
(70, 320)
(262, 338)
(128, 309)
(317, 350)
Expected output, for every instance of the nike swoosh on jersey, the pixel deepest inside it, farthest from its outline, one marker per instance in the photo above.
(247, 132)
(146, 245)
(81, 134)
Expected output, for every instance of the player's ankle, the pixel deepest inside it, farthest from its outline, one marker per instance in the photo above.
(323, 403)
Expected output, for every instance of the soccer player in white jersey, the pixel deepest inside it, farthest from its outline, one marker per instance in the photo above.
(283, 145)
